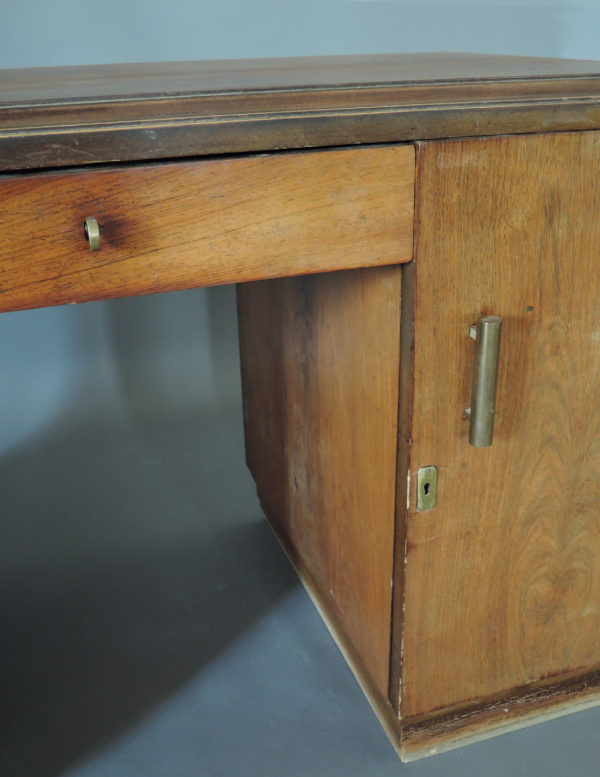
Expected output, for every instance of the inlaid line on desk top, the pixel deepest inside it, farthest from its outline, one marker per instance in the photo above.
(71, 116)
(143, 80)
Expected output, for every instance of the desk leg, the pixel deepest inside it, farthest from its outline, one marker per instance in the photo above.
(320, 368)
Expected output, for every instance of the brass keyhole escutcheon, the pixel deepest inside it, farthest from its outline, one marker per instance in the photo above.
(426, 488)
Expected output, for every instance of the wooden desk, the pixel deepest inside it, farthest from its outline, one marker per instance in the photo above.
(461, 580)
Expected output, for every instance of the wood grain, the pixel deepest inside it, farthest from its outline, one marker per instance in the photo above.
(320, 385)
(180, 225)
(501, 583)
(96, 114)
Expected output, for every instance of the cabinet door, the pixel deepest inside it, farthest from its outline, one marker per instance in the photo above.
(502, 577)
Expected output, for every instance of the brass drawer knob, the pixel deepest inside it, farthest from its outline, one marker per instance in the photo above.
(92, 233)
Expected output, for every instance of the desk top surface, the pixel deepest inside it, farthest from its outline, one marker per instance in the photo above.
(55, 117)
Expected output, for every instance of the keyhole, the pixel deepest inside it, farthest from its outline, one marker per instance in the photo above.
(426, 488)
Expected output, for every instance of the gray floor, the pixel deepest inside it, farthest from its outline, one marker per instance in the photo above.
(152, 626)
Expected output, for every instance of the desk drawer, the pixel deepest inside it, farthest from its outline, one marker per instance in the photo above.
(186, 224)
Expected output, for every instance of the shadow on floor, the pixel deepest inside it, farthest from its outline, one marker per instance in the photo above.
(125, 567)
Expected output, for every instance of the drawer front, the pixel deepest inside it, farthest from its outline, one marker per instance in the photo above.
(180, 225)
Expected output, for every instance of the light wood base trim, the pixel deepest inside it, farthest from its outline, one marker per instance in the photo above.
(525, 707)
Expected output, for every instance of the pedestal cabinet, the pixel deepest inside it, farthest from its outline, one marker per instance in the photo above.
(419, 335)
(493, 585)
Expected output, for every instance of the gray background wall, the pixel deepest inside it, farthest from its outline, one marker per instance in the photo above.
(130, 527)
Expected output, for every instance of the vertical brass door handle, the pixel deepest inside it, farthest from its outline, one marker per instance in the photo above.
(483, 397)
